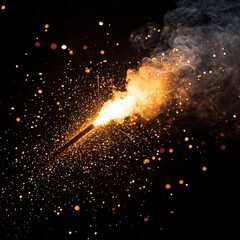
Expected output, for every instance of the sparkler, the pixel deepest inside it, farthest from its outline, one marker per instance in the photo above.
(73, 140)
(146, 91)
(107, 114)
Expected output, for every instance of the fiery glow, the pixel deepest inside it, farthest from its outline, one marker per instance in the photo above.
(146, 91)
(116, 109)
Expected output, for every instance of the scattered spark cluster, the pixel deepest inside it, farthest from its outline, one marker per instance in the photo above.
(128, 178)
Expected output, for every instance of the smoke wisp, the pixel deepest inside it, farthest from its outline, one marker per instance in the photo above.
(193, 62)
(199, 47)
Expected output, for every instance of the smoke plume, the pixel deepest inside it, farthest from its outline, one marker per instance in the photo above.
(193, 64)
(198, 51)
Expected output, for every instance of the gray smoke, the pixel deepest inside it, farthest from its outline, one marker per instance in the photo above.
(199, 46)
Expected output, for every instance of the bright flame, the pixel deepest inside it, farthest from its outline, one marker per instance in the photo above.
(144, 94)
(116, 109)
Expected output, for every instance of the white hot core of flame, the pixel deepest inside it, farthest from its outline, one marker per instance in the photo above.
(143, 96)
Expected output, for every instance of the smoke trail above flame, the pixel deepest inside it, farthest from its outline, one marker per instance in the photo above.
(195, 56)
(200, 40)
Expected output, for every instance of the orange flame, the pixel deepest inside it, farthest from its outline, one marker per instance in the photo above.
(144, 95)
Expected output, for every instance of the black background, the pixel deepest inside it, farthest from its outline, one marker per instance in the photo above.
(209, 209)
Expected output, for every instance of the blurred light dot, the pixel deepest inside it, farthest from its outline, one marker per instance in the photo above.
(40, 91)
(146, 161)
(72, 52)
(64, 47)
(204, 168)
(18, 119)
(46, 25)
(170, 150)
(162, 150)
(77, 208)
(146, 219)
(186, 139)
(100, 23)
(167, 186)
(223, 147)
(53, 46)
(102, 52)
(154, 59)
(85, 47)
(181, 181)
(87, 70)
(37, 44)
(58, 103)
(190, 146)
(3, 7)
(153, 157)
